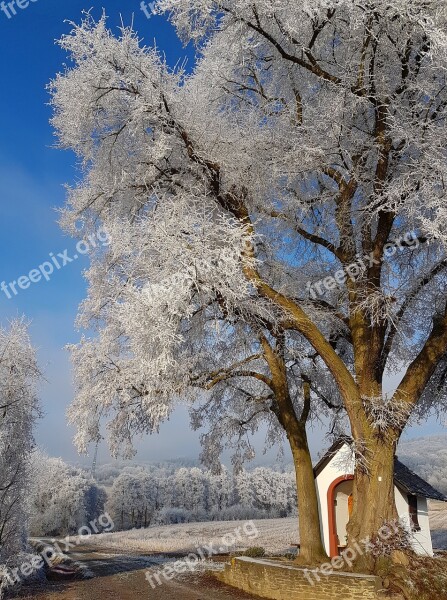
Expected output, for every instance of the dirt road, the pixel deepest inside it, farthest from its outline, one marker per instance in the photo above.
(122, 577)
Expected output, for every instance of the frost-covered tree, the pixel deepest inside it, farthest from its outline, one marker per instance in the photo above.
(61, 498)
(219, 490)
(273, 491)
(276, 217)
(159, 487)
(244, 488)
(19, 375)
(189, 487)
(140, 496)
(222, 315)
(131, 500)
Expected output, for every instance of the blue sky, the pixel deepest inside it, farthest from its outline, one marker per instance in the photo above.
(32, 174)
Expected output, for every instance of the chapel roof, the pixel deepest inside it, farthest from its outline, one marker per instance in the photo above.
(404, 478)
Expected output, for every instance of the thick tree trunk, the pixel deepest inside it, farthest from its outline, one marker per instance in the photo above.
(374, 505)
(311, 546)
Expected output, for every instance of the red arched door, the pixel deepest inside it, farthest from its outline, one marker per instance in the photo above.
(331, 498)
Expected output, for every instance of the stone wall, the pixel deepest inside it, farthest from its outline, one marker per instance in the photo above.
(284, 581)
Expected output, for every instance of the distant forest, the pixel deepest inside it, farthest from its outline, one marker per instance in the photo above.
(427, 456)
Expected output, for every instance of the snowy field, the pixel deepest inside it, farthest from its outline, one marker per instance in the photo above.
(275, 535)
(438, 524)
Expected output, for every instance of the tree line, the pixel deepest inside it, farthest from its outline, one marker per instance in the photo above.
(141, 497)
(62, 499)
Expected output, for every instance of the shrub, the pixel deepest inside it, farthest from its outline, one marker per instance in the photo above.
(170, 515)
(238, 512)
(254, 552)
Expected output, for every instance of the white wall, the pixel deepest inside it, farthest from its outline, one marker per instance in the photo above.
(422, 543)
(340, 464)
(343, 464)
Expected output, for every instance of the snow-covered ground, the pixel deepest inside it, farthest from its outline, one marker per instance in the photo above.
(275, 535)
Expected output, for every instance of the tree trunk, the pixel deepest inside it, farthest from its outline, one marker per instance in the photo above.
(311, 546)
(374, 503)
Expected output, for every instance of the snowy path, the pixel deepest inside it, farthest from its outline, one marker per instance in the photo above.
(122, 577)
